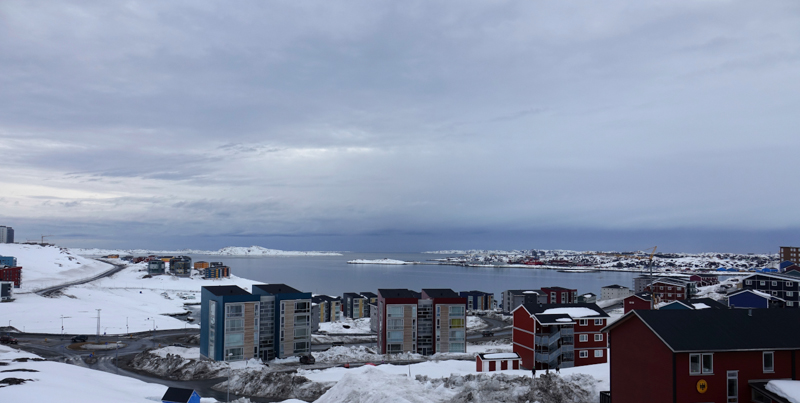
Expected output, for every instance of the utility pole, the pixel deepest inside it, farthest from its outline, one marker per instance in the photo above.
(98, 325)
(62, 323)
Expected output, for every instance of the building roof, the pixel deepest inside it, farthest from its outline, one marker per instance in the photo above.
(646, 296)
(353, 295)
(277, 288)
(757, 293)
(708, 302)
(563, 314)
(220, 290)
(476, 292)
(558, 288)
(614, 286)
(397, 293)
(177, 395)
(369, 294)
(499, 356)
(441, 293)
(721, 329)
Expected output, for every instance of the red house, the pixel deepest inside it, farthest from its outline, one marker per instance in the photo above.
(559, 335)
(642, 300)
(496, 362)
(560, 295)
(11, 273)
(668, 290)
(708, 355)
(704, 279)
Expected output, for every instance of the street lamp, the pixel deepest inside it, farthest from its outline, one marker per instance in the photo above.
(62, 323)
(98, 325)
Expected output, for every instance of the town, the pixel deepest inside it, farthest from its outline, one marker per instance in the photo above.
(703, 321)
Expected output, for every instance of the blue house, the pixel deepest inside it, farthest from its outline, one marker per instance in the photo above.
(694, 304)
(749, 298)
(8, 261)
(226, 312)
(478, 300)
(784, 288)
(180, 395)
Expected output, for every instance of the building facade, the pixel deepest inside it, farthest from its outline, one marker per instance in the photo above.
(478, 300)
(425, 323)
(356, 306)
(181, 266)
(550, 336)
(615, 291)
(790, 253)
(641, 300)
(6, 234)
(12, 274)
(707, 355)
(6, 293)
(560, 295)
(511, 299)
(229, 326)
(782, 287)
(156, 267)
(285, 328)
(671, 289)
(330, 308)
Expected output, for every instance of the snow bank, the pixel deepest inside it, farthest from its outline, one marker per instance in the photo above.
(70, 383)
(373, 385)
(786, 389)
(192, 353)
(378, 261)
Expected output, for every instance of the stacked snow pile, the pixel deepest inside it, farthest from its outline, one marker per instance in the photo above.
(341, 354)
(273, 385)
(346, 325)
(177, 367)
(475, 323)
(378, 261)
(790, 390)
(374, 385)
(46, 266)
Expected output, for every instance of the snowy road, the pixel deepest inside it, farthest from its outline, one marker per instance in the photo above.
(45, 292)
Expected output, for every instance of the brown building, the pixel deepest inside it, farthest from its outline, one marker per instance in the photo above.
(790, 253)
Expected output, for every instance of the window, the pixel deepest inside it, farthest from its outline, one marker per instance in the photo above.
(669, 288)
(789, 284)
(598, 337)
(301, 347)
(456, 311)
(234, 339)
(302, 307)
(583, 338)
(455, 323)
(774, 283)
(457, 348)
(598, 353)
(300, 332)
(394, 336)
(234, 325)
(234, 310)
(789, 303)
(733, 386)
(302, 320)
(789, 293)
(394, 311)
(583, 354)
(583, 322)
(769, 361)
(394, 324)
(679, 288)
(234, 354)
(748, 282)
(701, 364)
(762, 283)
(395, 348)
(457, 334)
(598, 322)
(774, 293)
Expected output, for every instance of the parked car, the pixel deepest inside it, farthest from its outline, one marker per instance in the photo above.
(8, 340)
(487, 333)
(307, 359)
(80, 339)
(178, 345)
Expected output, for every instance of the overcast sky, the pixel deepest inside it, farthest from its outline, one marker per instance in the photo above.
(402, 125)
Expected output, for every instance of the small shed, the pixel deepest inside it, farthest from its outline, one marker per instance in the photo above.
(496, 362)
(180, 395)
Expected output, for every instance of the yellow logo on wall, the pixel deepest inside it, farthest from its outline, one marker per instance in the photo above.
(702, 386)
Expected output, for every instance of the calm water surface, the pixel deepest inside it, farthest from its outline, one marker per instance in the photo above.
(332, 275)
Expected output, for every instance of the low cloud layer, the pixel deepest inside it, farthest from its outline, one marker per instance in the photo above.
(396, 126)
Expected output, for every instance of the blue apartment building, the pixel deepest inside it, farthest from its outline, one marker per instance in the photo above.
(285, 328)
(229, 328)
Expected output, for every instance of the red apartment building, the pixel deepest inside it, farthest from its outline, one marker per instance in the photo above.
(12, 274)
(668, 290)
(708, 355)
(424, 323)
(560, 295)
(559, 335)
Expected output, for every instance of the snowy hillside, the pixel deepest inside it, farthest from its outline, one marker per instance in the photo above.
(227, 251)
(45, 266)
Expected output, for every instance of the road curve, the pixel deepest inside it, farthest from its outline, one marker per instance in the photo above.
(45, 292)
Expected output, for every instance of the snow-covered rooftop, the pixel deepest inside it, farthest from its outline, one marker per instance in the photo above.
(575, 312)
(500, 356)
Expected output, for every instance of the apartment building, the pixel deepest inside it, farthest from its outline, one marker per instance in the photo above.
(511, 299)
(229, 329)
(790, 253)
(615, 291)
(6, 234)
(356, 306)
(785, 289)
(427, 322)
(285, 328)
(478, 300)
(330, 308)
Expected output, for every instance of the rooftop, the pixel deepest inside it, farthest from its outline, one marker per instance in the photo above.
(397, 293)
(277, 289)
(220, 290)
(440, 293)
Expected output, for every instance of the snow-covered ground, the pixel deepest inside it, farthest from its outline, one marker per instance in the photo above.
(44, 267)
(128, 302)
(227, 251)
(346, 325)
(379, 261)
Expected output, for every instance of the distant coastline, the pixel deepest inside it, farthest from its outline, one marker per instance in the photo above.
(227, 251)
